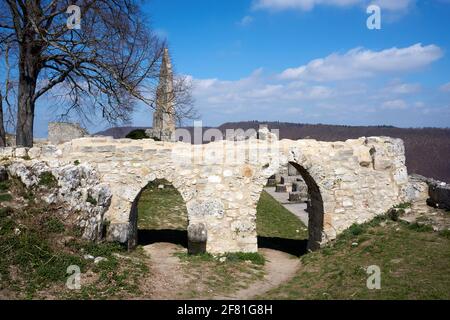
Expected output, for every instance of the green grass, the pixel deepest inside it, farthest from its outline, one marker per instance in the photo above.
(420, 227)
(6, 211)
(47, 179)
(414, 264)
(36, 248)
(5, 197)
(404, 205)
(91, 200)
(54, 225)
(5, 185)
(211, 277)
(160, 209)
(253, 257)
(30, 251)
(274, 220)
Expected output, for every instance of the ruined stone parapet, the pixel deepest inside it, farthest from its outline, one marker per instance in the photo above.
(77, 187)
(221, 182)
(60, 132)
(436, 193)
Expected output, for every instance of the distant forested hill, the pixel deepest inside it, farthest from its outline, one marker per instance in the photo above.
(427, 149)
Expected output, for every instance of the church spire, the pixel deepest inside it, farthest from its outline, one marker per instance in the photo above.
(164, 115)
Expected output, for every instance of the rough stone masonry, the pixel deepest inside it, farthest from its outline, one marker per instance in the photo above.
(221, 182)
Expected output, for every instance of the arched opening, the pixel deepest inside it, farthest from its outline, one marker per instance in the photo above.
(290, 212)
(158, 214)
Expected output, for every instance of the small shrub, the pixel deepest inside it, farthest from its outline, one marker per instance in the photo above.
(26, 158)
(395, 213)
(356, 229)
(91, 200)
(137, 135)
(5, 197)
(404, 205)
(76, 162)
(47, 179)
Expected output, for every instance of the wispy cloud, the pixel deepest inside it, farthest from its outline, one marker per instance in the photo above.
(307, 5)
(445, 87)
(245, 21)
(362, 63)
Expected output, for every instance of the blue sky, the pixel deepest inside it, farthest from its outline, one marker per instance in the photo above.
(309, 61)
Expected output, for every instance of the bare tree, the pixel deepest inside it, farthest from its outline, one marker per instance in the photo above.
(183, 100)
(2, 127)
(105, 67)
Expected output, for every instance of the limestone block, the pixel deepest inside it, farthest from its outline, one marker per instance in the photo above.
(212, 207)
(118, 232)
(197, 238)
(363, 155)
(6, 152)
(281, 188)
(34, 153)
(21, 152)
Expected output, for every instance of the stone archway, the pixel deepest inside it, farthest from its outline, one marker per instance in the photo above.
(299, 202)
(314, 209)
(169, 211)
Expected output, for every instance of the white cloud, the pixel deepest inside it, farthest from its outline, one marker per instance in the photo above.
(301, 98)
(245, 21)
(445, 87)
(362, 63)
(307, 5)
(394, 105)
(402, 88)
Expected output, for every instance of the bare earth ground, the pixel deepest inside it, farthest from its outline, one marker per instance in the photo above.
(279, 268)
(169, 279)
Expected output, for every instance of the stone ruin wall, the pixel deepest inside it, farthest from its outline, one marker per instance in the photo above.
(357, 179)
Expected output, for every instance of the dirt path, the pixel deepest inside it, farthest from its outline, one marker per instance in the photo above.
(167, 275)
(169, 280)
(279, 268)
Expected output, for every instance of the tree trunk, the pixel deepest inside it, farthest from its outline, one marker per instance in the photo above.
(28, 70)
(2, 126)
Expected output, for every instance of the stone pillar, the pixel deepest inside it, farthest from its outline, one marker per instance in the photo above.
(197, 237)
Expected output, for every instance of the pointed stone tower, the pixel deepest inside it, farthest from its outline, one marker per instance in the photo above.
(164, 115)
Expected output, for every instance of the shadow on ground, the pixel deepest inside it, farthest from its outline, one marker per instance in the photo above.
(179, 237)
(146, 237)
(291, 246)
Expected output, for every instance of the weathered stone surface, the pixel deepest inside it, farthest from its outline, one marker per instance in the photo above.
(281, 188)
(60, 132)
(416, 189)
(344, 189)
(74, 185)
(197, 237)
(439, 194)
